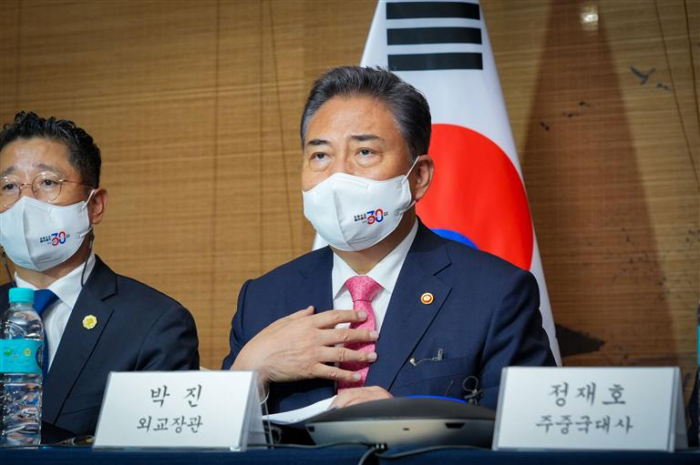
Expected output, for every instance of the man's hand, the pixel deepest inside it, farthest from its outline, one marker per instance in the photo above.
(299, 346)
(348, 397)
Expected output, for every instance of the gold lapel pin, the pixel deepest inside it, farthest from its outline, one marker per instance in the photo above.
(89, 322)
(427, 298)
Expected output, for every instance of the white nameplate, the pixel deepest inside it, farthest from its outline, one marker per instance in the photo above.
(202, 409)
(590, 409)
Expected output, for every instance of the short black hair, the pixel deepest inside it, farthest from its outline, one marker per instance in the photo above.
(408, 106)
(83, 153)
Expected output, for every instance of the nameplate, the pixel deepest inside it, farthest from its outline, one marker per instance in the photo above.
(192, 409)
(590, 409)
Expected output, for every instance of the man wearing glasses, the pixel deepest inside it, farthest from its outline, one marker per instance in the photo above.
(95, 321)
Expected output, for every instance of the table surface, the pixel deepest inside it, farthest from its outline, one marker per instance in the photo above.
(334, 456)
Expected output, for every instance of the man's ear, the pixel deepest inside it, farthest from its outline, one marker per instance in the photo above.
(97, 205)
(422, 176)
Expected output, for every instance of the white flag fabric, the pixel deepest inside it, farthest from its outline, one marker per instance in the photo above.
(477, 196)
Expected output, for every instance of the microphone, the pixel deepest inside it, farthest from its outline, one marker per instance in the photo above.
(471, 386)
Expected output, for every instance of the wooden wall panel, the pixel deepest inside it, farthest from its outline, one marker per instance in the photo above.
(611, 182)
(9, 64)
(9, 51)
(196, 106)
(257, 203)
(139, 76)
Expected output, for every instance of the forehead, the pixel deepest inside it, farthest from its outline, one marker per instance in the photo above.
(357, 114)
(31, 156)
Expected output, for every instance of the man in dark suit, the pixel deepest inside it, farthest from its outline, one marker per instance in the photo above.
(95, 320)
(430, 316)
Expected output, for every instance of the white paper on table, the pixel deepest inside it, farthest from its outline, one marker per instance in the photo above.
(299, 415)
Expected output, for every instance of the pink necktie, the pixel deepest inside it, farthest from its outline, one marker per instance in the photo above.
(362, 290)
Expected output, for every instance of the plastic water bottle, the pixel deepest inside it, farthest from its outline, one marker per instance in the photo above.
(21, 359)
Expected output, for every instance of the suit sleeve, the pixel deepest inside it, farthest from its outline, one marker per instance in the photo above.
(237, 339)
(692, 412)
(515, 334)
(171, 343)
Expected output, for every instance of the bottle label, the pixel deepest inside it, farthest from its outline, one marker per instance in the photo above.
(20, 356)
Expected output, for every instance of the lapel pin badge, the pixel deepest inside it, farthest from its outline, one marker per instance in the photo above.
(89, 322)
(427, 298)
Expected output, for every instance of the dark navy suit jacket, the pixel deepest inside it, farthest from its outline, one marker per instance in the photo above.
(138, 328)
(485, 316)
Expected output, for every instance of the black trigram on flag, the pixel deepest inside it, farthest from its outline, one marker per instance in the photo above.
(408, 36)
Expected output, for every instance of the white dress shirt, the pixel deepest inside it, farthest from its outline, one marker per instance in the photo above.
(386, 272)
(56, 316)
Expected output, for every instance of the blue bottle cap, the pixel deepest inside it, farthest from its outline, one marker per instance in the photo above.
(21, 295)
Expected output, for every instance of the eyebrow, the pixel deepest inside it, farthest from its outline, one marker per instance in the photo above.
(41, 166)
(365, 137)
(317, 142)
(355, 137)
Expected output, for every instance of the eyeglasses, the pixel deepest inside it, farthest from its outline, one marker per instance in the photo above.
(46, 187)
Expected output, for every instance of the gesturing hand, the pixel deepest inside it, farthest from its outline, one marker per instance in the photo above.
(359, 395)
(300, 345)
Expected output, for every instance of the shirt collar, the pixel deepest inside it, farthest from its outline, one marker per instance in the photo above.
(67, 288)
(386, 272)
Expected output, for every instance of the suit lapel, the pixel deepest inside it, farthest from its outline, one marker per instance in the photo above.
(313, 288)
(4, 296)
(407, 317)
(316, 285)
(78, 342)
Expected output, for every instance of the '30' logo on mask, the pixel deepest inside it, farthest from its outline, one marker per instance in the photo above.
(372, 216)
(376, 216)
(55, 239)
(58, 238)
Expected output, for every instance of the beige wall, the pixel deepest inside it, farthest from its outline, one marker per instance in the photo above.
(195, 105)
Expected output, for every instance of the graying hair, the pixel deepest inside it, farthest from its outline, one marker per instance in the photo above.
(408, 106)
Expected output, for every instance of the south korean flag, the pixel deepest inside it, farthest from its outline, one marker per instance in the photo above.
(477, 196)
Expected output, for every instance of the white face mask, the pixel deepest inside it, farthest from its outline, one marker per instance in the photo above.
(38, 236)
(353, 213)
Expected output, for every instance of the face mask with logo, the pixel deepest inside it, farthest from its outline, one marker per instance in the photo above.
(38, 236)
(353, 213)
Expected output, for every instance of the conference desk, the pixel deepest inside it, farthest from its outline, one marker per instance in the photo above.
(340, 455)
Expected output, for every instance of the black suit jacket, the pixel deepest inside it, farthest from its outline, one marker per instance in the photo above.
(138, 328)
(485, 316)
